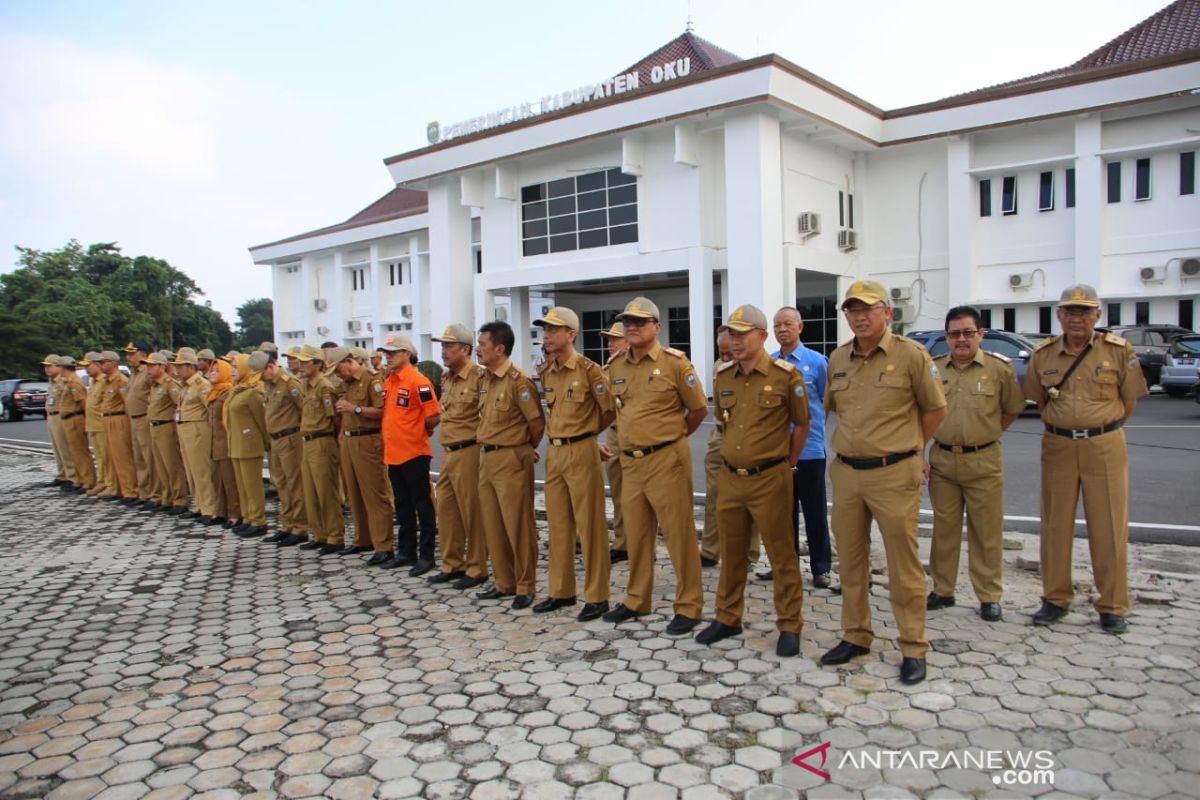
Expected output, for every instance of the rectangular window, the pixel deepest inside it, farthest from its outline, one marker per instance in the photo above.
(1114, 181)
(1010, 319)
(291, 269)
(1186, 313)
(841, 209)
(679, 329)
(1008, 196)
(985, 317)
(479, 261)
(354, 280)
(985, 198)
(1187, 172)
(1070, 187)
(593, 210)
(850, 211)
(1045, 317)
(595, 346)
(1114, 314)
(1141, 313)
(1142, 180)
(1046, 192)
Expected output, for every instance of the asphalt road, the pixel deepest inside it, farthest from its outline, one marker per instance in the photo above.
(1164, 458)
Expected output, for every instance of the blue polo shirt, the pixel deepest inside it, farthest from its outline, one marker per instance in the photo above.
(814, 367)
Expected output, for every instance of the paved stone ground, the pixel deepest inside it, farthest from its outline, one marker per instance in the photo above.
(145, 657)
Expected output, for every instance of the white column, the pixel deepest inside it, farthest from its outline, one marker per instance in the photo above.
(754, 212)
(1089, 169)
(959, 219)
(308, 313)
(375, 287)
(518, 318)
(451, 274)
(700, 299)
(337, 302)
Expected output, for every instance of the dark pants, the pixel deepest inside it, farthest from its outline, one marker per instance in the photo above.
(410, 488)
(808, 492)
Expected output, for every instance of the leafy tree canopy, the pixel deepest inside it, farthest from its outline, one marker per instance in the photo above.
(256, 323)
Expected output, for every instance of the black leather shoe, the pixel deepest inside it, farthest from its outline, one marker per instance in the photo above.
(133, 501)
(788, 645)
(467, 582)
(935, 601)
(716, 631)
(1113, 623)
(218, 521)
(822, 580)
(277, 536)
(522, 601)
(617, 556)
(705, 561)
(592, 611)
(379, 558)
(253, 531)
(398, 561)
(493, 594)
(1048, 613)
(174, 511)
(990, 612)
(331, 549)
(290, 540)
(231, 523)
(621, 614)
(843, 652)
(422, 566)
(769, 575)
(446, 577)
(241, 526)
(680, 625)
(553, 603)
(352, 550)
(912, 670)
(204, 520)
(189, 515)
(310, 545)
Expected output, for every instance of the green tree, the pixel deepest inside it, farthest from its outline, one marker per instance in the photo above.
(256, 322)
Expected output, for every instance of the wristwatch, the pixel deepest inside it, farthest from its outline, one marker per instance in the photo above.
(358, 409)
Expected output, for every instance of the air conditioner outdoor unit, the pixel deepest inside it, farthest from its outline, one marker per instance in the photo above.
(900, 294)
(810, 223)
(320, 304)
(354, 325)
(1020, 280)
(1190, 267)
(370, 327)
(847, 240)
(1153, 274)
(406, 311)
(502, 314)
(904, 313)
(322, 330)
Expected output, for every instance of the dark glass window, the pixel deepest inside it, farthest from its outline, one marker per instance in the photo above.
(985, 317)
(580, 212)
(1045, 317)
(1114, 314)
(985, 198)
(850, 210)
(1187, 172)
(1008, 196)
(1010, 319)
(1046, 192)
(1070, 187)
(841, 209)
(1114, 181)
(1141, 187)
(562, 224)
(1186, 313)
(623, 234)
(1141, 313)
(679, 329)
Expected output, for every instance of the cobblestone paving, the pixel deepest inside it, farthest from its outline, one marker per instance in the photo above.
(145, 657)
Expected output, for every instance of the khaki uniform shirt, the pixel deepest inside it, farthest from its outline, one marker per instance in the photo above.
(652, 395)
(978, 396)
(879, 398)
(165, 394)
(508, 401)
(137, 399)
(284, 400)
(612, 438)
(72, 396)
(317, 413)
(1096, 393)
(94, 423)
(220, 436)
(460, 404)
(576, 396)
(758, 410)
(193, 407)
(366, 390)
(116, 386)
(247, 426)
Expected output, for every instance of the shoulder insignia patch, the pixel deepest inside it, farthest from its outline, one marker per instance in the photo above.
(377, 386)
(674, 352)
(726, 365)
(295, 391)
(690, 380)
(600, 387)
(999, 356)
(933, 370)
(798, 389)
(787, 366)
(524, 395)
(425, 392)
(514, 373)
(1112, 338)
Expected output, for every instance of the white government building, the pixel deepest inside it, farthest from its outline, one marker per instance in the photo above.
(704, 181)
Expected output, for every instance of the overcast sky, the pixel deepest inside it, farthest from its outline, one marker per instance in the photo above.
(193, 131)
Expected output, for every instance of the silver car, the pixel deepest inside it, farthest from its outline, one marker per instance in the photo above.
(1181, 365)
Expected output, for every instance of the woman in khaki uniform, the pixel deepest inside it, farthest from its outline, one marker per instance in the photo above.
(246, 423)
(228, 507)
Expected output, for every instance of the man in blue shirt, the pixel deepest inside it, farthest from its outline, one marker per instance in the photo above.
(808, 476)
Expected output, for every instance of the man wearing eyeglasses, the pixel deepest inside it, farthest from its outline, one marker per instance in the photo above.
(887, 394)
(1086, 385)
(965, 467)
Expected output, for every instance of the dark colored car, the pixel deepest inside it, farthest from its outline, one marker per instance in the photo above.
(1150, 342)
(21, 396)
(1013, 345)
(1181, 365)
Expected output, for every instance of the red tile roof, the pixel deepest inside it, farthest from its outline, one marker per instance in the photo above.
(704, 55)
(395, 204)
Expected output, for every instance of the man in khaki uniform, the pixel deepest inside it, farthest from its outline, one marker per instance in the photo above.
(660, 402)
(887, 394)
(319, 465)
(510, 426)
(72, 405)
(246, 424)
(204, 361)
(116, 429)
(361, 407)
(966, 464)
(293, 360)
(463, 545)
(283, 402)
(1086, 385)
(137, 402)
(763, 407)
(64, 475)
(610, 450)
(195, 434)
(94, 425)
(579, 407)
(165, 394)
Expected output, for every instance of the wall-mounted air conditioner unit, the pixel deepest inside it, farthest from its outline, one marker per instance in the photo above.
(322, 330)
(904, 313)
(502, 314)
(320, 304)
(1190, 268)
(900, 294)
(1153, 274)
(355, 326)
(847, 240)
(406, 311)
(810, 223)
(1020, 280)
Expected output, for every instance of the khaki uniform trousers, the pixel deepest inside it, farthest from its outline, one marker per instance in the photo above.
(120, 455)
(104, 481)
(225, 490)
(464, 546)
(319, 476)
(287, 453)
(612, 468)
(368, 491)
(575, 507)
(168, 465)
(506, 511)
(1100, 467)
(58, 443)
(976, 481)
(710, 542)
(77, 448)
(891, 496)
(251, 494)
(757, 501)
(150, 485)
(658, 492)
(195, 442)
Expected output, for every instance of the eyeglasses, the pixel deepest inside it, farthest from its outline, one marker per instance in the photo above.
(1076, 311)
(637, 322)
(859, 311)
(970, 333)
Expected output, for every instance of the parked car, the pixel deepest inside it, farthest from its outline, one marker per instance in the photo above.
(1181, 365)
(1036, 338)
(1013, 345)
(1150, 342)
(21, 396)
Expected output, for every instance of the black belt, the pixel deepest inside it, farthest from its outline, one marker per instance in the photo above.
(186, 421)
(875, 463)
(746, 471)
(366, 432)
(1085, 433)
(561, 440)
(450, 448)
(308, 437)
(70, 414)
(157, 422)
(645, 451)
(285, 432)
(114, 414)
(965, 448)
(52, 413)
(136, 416)
(487, 448)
